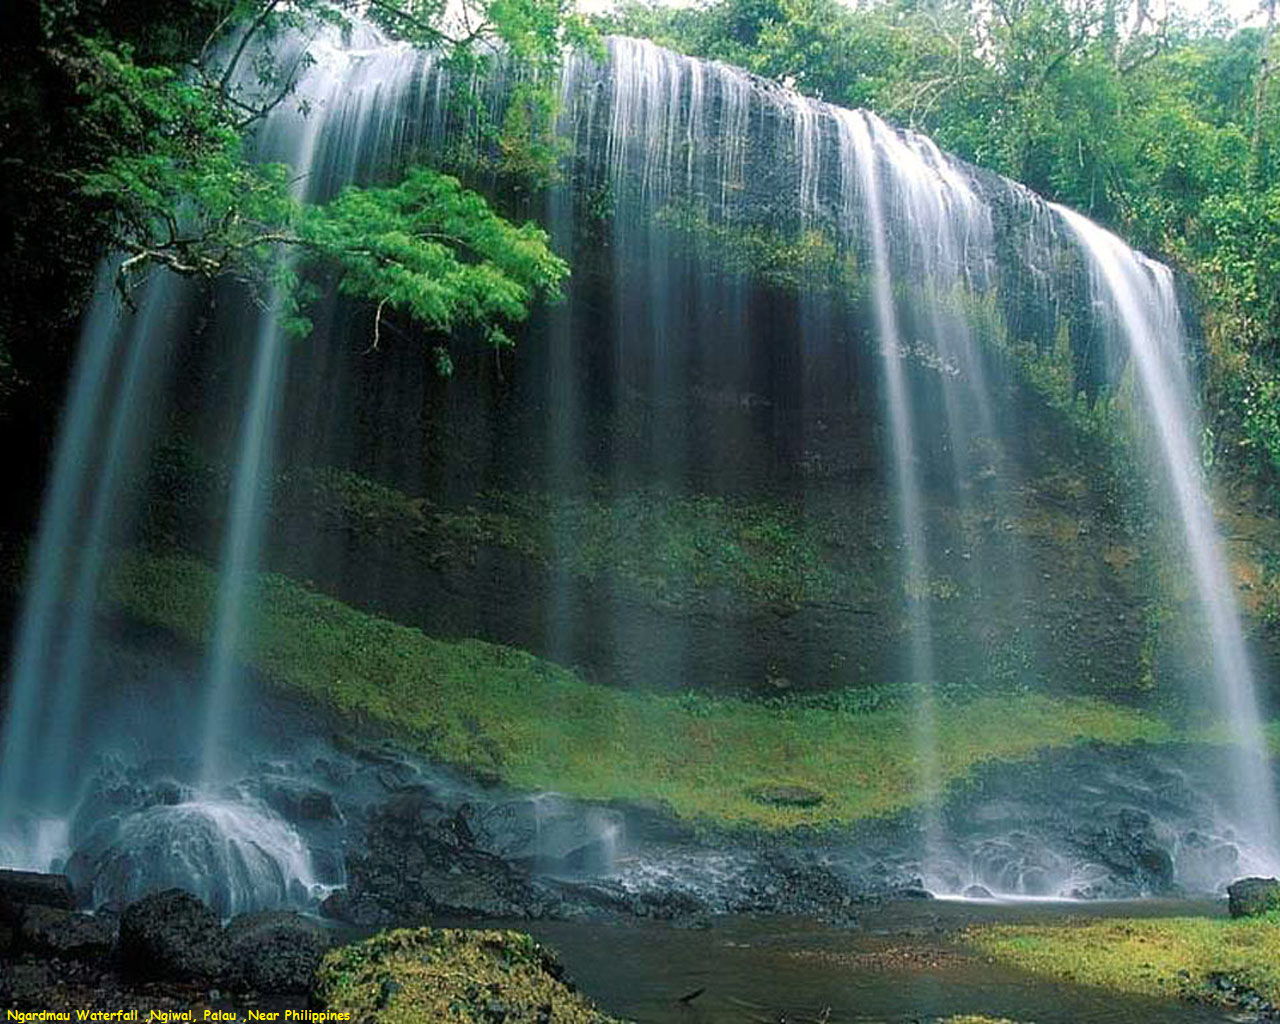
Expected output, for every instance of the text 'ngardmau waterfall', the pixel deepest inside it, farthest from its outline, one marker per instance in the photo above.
(900, 288)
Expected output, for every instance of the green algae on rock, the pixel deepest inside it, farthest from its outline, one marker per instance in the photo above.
(451, 975)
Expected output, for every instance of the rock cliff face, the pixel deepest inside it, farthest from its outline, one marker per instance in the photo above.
(687, 474)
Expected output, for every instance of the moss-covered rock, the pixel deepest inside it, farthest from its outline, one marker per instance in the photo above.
(539, 726)
(1253, 897)
(451, 975)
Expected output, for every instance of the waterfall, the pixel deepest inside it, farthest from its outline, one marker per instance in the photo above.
(88, 506)
(771, 296)
(346, 93)
(233, 850)
(1139, 295)
(859, 158)
(40, 625)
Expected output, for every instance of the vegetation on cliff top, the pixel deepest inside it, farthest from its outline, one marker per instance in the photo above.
(131, 129)
(540, 726)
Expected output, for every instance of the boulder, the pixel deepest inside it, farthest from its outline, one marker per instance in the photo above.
(275, 951)
(546, 832)
(66, 933)
(436, 975)
(786, 796)
(295, 800)
(1126, 843)
(172, 935)
(19, 889)
(1251, 897)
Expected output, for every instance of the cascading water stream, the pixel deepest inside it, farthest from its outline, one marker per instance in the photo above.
(40, 625)
(123, 440)
(108, 430)
(1140, 294)
(859, 158)
(109, 423)
(343, 92)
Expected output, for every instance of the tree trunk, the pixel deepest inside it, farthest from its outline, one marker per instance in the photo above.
(1260, 96)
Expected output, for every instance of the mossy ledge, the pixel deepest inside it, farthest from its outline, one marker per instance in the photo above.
(540, 726)
(447, 975)
(1200, 959)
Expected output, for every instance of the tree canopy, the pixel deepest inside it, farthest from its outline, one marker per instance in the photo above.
(166, 125)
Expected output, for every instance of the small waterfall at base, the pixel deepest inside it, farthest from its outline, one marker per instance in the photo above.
(1139, 295)
(234, 853)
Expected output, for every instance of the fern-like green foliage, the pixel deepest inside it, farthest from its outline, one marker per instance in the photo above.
(435, 251)
(169, 169)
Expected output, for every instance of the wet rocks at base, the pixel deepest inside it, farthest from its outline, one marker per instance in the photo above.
(1252, 897)
(167, 951)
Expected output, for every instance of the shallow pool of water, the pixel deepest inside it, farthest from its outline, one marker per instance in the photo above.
(901, 964)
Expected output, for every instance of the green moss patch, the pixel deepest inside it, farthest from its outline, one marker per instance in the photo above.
(450, 975)
(1203, 959)
(540, 726)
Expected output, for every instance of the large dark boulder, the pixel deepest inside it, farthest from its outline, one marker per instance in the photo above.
(298, 801)
(544, 832)
(66, 933)
(1127, 844)
(421, 859)
(1251, 897)
(18, 889)
(275, 951)
(172, 935)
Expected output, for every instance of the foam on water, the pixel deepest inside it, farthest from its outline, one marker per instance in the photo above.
(235, 854)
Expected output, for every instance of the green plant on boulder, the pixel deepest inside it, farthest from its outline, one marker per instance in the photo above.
(450, 975)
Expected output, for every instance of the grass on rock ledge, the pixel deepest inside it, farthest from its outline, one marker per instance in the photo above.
(1204, 959)
(540, 726)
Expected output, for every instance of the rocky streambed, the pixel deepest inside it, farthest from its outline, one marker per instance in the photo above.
(325, 834)
(169, 954)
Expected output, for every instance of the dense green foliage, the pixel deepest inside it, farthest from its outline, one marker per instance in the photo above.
(164, 105)
(1164, 127)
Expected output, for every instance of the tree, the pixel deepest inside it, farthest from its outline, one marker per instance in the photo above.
(166, 159)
